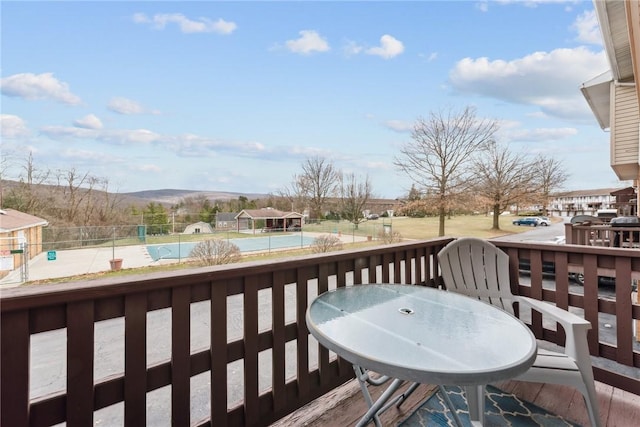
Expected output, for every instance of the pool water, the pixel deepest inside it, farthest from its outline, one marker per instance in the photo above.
(249, 244)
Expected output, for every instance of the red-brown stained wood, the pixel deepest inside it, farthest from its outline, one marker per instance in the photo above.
(14, 368)
(80, 364)
(345, 405)
(180, 368)
(625, 409)
(251, 350)
(79, 305)
(135, 360)
(278, 353)
(218, 358)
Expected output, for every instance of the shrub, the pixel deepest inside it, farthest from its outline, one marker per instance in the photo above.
(215, 252)
(387, 238)
(326, 243)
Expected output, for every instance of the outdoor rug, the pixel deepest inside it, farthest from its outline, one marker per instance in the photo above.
(502, 409)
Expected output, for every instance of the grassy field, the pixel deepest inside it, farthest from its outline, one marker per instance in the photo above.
(457, 226)
(408, 228)
(425, 228)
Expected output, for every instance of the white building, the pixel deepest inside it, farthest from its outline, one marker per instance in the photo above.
(583, 202)
(198, 228)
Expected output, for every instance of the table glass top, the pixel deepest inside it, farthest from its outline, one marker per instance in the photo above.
(421, 332)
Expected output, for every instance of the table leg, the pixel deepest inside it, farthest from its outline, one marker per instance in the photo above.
(378, 404)
(475, 401)
(450, 405)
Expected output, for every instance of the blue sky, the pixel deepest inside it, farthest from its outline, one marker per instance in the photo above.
(235, 96)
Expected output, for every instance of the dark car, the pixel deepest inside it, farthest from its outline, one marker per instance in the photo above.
(529, 220)
(549, 270)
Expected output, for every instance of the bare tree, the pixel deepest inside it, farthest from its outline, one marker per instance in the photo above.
(504, 178)
(76, 188)
(107, 208)
(551, 175)
(317, 182)
(439, 157)
(354, 196)
(215, 252)
(28, 196)
(295, 194)
(388, 238)
(326, 243)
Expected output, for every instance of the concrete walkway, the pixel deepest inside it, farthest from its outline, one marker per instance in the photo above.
(75, 262)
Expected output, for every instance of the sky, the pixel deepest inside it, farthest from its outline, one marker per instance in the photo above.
(235, 96)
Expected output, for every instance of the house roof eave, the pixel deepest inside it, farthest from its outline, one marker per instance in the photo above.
(597, 92)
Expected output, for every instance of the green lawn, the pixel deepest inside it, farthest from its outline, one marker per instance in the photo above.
(458, 226)
(425, 228)
(408, 228)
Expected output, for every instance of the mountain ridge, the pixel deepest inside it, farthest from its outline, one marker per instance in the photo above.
(174, 196)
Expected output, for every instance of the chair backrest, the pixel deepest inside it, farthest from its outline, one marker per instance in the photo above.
(477, 268)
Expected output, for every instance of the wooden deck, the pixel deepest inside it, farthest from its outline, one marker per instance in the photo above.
(344, 405)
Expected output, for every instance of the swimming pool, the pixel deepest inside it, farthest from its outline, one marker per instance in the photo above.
(249, 244)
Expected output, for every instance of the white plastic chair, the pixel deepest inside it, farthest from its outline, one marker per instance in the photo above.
(477, 268)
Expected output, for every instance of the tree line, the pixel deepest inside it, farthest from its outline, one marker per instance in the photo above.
(453, 160)
(456, 162)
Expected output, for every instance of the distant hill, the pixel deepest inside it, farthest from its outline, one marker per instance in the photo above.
(173, 196)
(165, 197)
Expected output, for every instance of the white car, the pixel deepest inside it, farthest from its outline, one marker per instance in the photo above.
(543, 220)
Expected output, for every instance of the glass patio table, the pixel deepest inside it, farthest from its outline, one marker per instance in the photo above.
(422, 335)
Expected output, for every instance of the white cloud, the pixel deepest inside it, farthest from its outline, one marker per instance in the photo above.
(146, 168)
(186, 25)
(190, 145)
(89, 121)
(535, 3)
(310, 41)
(86, 155)
(38, 86)
(351, 48)
(118, 136)
(538, 134)
(185, 145)
(125, 106)
(549, 80)
(65, 132)
(389, 47)
(588, 29)
(399, 126)
(133, 136)
(13, 126)
(429, 57)
(482, 6)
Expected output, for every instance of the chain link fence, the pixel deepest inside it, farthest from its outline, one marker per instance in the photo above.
(59, 238)
(15, 257)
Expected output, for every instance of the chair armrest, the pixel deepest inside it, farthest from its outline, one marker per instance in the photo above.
(575, 327)
(562, 316)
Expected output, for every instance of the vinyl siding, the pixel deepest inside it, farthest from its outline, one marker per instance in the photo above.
(624, 133)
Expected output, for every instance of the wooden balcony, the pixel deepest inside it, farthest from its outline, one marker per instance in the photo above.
(228, 346)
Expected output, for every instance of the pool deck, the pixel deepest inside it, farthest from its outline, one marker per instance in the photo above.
(75, 262)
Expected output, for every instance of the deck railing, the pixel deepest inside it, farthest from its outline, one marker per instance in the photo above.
(602, 235)
(226, 346)
(621, 313)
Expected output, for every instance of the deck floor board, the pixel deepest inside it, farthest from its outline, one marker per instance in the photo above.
(345, 405)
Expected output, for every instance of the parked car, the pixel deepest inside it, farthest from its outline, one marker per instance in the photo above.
(373, 216)
(549, 270)
(544, 220)
(531, 221)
